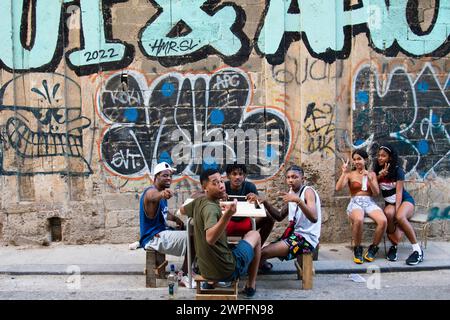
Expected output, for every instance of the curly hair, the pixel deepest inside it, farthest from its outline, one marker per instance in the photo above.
(236, 166)
(393, 161)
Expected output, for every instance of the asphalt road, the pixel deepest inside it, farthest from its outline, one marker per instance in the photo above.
(427, 285)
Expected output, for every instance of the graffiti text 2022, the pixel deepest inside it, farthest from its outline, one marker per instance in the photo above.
(184, 31)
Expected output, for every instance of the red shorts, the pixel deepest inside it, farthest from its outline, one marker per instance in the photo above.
(239, 228)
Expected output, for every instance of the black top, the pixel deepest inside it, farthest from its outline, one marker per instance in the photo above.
(246, 188)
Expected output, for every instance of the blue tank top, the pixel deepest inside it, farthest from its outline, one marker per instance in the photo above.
(150, 227)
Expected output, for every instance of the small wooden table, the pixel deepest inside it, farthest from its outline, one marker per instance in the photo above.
(247, 209)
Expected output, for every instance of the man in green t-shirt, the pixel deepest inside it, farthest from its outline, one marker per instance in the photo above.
(216, 261)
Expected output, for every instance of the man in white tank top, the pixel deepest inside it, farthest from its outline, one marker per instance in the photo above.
(302, 207)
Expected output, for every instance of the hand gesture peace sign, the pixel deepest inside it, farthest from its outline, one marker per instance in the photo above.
(385, 170)
(345, 165)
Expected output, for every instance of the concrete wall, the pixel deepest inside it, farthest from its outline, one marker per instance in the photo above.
(93, 94)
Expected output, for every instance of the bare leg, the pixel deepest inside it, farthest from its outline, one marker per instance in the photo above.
(389, 212)
(254, 239)
(381, 222)
(277, 249)
(265, 226)
(393, 231)
(397, 236)
(405, 212)
(357, 219)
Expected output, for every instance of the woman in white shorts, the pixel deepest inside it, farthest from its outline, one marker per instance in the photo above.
(363, 185)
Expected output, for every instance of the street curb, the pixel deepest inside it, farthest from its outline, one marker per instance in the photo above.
(128, 270)
(363, 270)
(70, 269)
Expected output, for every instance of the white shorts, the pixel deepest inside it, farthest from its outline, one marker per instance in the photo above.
(364, 203)
(173, 242)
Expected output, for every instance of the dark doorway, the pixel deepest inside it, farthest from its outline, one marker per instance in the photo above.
(55, 229)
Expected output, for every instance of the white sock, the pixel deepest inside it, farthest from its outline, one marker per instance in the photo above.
(416, 247)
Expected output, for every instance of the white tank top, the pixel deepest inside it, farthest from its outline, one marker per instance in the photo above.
(310, 231)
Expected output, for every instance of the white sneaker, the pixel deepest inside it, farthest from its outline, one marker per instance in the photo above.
(134, 245)
(222, 284)
(185, 282)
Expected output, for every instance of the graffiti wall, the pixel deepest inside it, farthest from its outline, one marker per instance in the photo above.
(412, 112)
(181, 116)
(93, 94)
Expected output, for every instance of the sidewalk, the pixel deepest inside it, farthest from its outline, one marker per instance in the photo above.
(107, 259)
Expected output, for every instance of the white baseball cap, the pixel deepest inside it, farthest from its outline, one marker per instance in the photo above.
(161, 167)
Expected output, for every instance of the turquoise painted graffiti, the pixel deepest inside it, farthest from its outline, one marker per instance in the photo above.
(45, 51)
(184, 31)
(437, 214)
(324, 24)
(205, 30)
(96, 50)
(13, 54)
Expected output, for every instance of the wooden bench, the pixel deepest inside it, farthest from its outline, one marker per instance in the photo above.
(305, 270)
(216, 293)
(155, 267)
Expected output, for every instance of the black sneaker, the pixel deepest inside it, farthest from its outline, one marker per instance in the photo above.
(392, 254)
(358, 254)
(371, 253)
(248, 292)
(207, 286)
(414, 258)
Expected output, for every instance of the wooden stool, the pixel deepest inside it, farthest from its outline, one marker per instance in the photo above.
(155, 267)
(305, 270)
(216, 293)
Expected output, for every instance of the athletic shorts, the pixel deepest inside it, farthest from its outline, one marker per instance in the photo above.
(173, 242)
(364, 203)
(243, 253)
(297, 245)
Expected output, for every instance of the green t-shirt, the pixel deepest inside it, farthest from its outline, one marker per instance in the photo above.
(216, 262)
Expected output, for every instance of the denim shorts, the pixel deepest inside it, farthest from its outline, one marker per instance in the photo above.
(405, 198)
(243, 253)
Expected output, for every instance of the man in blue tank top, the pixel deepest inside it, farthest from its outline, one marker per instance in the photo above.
(154, 214)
